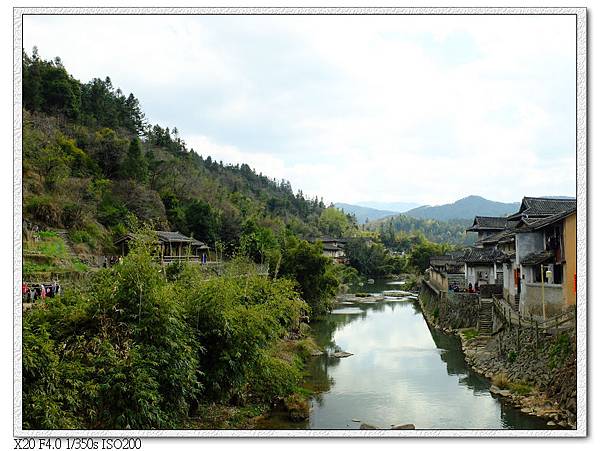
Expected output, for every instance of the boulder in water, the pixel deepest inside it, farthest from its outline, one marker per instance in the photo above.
(404, 426)
(341, 354)
(367, 426)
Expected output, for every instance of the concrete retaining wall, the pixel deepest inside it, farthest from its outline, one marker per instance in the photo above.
(553, 298)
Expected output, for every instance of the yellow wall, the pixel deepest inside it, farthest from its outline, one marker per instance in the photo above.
(570, 267)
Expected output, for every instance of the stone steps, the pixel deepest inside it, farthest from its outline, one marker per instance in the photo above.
(485, 323)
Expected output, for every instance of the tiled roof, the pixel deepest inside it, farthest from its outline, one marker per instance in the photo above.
(486, 255)
(536, 258)
(172, 237)
(500, 237)
(168, 237)
(530, 224)
(543, 206)
(488, 223)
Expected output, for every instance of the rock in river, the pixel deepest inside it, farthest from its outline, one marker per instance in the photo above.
(367, 426)
(341, 354)
(404, 426)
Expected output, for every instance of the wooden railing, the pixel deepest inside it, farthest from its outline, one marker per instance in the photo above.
(563, 321)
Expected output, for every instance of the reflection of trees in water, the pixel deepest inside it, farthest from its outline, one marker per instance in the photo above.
(513, 418)
(455, 361)
(319, 380)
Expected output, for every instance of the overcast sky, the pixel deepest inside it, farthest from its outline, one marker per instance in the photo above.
(424, 109)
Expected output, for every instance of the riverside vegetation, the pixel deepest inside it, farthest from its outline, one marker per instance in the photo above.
(144, 346)
(137, 348)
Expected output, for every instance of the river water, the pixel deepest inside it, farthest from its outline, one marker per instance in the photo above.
(401, 371)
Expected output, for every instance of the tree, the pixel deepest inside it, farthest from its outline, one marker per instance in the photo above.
(306, 263)
(259, 243)
(333, 222)
(420, 253)
(368, 257)
(109, 151)
(202, 221)
(135, 165)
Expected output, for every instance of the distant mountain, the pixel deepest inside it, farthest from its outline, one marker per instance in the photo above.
(466, 208)
(396, 207)
(364, 213)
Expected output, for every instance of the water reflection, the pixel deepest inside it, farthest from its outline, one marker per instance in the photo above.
(401, 372)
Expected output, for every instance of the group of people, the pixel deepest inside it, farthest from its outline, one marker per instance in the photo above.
(35, 291)
(472, 289)
(456, 288)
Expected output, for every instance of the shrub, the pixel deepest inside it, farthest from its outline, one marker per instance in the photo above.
(273, 378)
(44, 209)
(470, 333)
(297, 407)
(500, 380)
(519, 388)
(236, 319)
(512, 356)
(72, 215)
(559, 350)
(127, 358)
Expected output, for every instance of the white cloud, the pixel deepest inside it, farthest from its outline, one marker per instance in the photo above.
(395, 108)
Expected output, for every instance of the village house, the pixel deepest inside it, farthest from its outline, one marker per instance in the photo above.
(546, 259)
(481, 266)
(172, 246)
(446, 271)
(486, 226)
(534, 257)
(332, 247)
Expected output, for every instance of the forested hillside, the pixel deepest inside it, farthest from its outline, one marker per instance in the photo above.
(393, 229)
(94, 166)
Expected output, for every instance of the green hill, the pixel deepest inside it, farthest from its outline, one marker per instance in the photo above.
(92, 165)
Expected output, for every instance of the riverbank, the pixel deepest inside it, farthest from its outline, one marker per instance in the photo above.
(536, 374)
(252, 414)
(515, 385)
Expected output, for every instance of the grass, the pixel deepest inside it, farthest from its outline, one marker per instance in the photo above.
(520, 388)
(470, 333)
(501, 381)
(49, 254)
(559, 351)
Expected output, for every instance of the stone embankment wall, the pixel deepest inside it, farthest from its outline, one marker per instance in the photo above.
(544, 362)
(449, 311)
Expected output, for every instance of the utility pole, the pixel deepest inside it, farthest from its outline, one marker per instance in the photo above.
(543, 300)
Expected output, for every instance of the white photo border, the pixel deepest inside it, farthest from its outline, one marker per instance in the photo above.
(581, 160)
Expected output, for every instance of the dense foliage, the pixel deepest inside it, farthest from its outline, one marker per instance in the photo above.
(135, 349)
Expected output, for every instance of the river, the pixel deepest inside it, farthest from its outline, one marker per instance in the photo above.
(401, 371)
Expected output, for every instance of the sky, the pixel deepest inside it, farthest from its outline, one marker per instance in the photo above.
(424, 109)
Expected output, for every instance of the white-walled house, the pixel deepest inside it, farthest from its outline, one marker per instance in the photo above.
(481, 266)
(546, 256)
